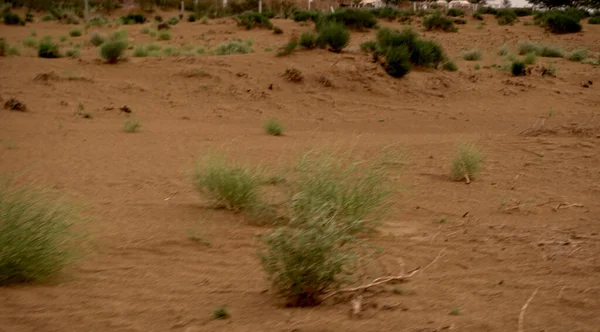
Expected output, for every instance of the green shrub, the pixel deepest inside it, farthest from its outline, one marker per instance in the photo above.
(427, 53)
(306, 15)
(455, 12)
(459, 21)
(335, 35)
(530, 58)
(3, 47)
(528, 47)
(140, 51)
(518, 68)
(487, 10)
(578, 54)
(133, 19)
(506, 17)
(478, 16)
(192, 18)
(273, 127)
(36, 234)
(308, 40)
(421, 52)
(235, 186)
(288, 48)
(113, 50)
(438, 22)
(467, 162)
(158, 18)
(523, 11)
(48, 17)
(352, 192)
(594, 20)
(221, 313)
(171, 51)
(369, 46)
(73, 53)
(173, 21)
(145, 30)
(48, 49)
(303, 264)
(13, 50)
(97, 38)
(503, 50)
(449, 66)
(472, 55)
(251, 20)
(550, 51)
(30, 42)
(75, 33)
(397, 61)
(560, 22)
(164, 35)
(355, 19)
(277, 30)
(97, 21)
(29, 17)
(131, 126)
(204, 20)
(234, 47)
(13, 19)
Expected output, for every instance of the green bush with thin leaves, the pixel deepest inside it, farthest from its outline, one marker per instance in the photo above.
(506, 17)
(438, 22)
(131, 126)
(113, 50)
(455, 12)
(252, 20)
(335, 35)
(234, 47)
(472, 55)
(308, 40)
(466, 163)
(235, 186)
(518, 68)
(397, 61)
(48, 49)
(594, 20)
(273, 127)
(351, 18)
(37, 239)
(578, 54)
(97, 38)
(75, 33)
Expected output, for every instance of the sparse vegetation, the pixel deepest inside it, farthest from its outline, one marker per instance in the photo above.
(369, 46)
(397, 61)
(594, 20)
(530, 58)
(192, 17)
(559, 22)
(273, 127)
(164, 35)
(518, 68)
(506, 17)
(131, 126)
(36, 234)
(30, 42)
(12, 19)
(293, 75)
(454, 311)
(540, 50)
(73, 53)
(472, 55)
(455, 12)
(252, 20)
(97, 38)
(308, 40)
(277, 31)
(234, 186)
(466, 163)
(350, 18)
(75, 33)
(48, 49)
(438, 22)
(140, 51)
(503, 50)
(172, 21)
(234, 47)
(578, 54)
(335, 35)
(221, 313)
(113, 50)
(449, 66)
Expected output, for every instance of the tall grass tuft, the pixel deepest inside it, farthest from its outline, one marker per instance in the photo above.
(273, 127)
(466, 163)
(36, 234)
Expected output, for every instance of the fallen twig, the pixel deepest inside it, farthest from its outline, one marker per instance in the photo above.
(381, 281)
(522, 313)
(567, 206)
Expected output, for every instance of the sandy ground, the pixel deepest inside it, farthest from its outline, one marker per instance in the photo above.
(506, 234)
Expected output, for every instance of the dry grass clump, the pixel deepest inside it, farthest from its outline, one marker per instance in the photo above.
(466, 163)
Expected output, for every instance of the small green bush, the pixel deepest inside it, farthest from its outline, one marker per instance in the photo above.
(550, 51)
(303, 264)
(13, 50)
(48, 49)
(133, 19)
(449, 66)
(335, 35)
(355, 19)
(528, 47)
(487, 10)
(478, 16)
(12, 19)
(594, 20)
(73, 53)
(251, 20)
(192, 17)
(173, 21)
(131, 126)
(113, 50)
(234, 47)
(466, 163)
(140, 51)
(29, 17)
(235, 186)
(421, 52)
(288, 48)
(472, 55)
(518, 68)
(397, 61)
(164, 35)
(560, 22)
(277, 30)
(438, 22)
(306, 15)
(308, 40)
(158, 18)
(503, 50)
(75, 33)
(578, 54)
(273, 127)
(30, 42)
(145, 30)
(48, 17)
(97, 38)
(523, 11)
(36, 234)
(506, 17)
(221, 313)
(427, 53)
(530, 58)
(455, 12)
(369, 46)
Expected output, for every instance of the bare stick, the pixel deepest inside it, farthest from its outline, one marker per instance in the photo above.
(467, 178)
(522, 314)
(433, 261)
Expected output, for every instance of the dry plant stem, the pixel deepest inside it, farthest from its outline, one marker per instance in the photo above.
(384, 280)
(522, 314)
(467, 179)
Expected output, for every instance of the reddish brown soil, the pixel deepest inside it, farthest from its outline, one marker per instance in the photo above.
(503, 239)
